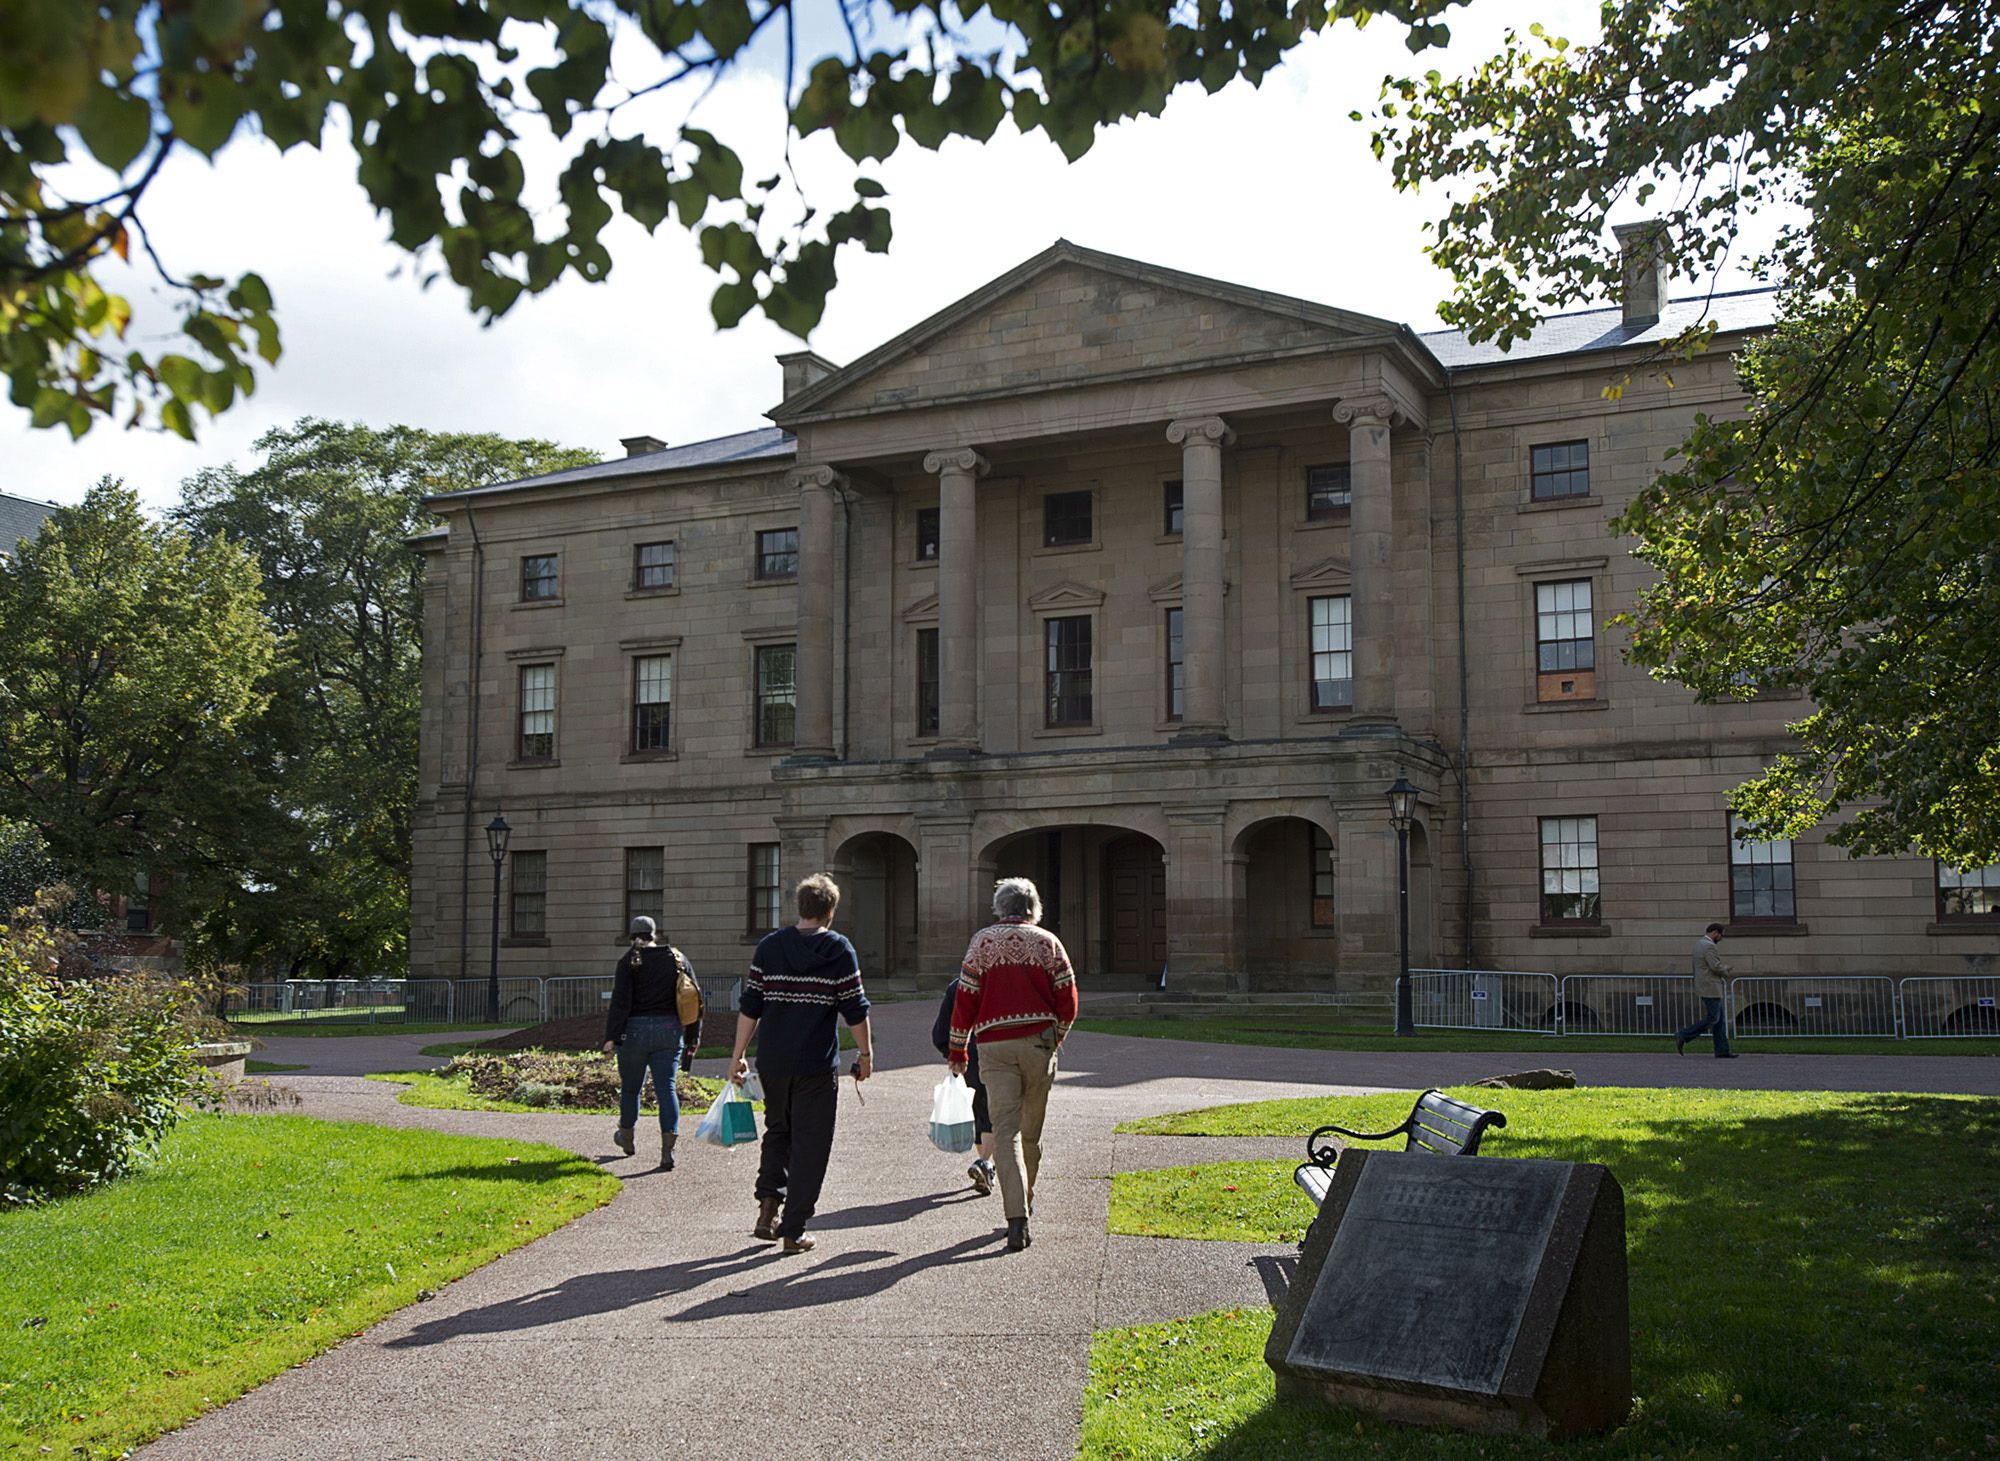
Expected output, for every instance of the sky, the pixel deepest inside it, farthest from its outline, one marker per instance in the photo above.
(1272, 187)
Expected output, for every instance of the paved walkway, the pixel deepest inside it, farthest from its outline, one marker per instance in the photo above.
(656, 1325)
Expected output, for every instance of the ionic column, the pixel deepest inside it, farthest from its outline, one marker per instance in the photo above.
(1201, 439)
(958, 472)
(813, 737)
(1371, 541)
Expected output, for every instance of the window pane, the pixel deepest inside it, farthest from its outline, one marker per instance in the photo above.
(927, 532)
(538, 712)
(1332, 632)
(1559, 470)
(528, 895)
(766, 896)
(1069, 671)
(777, 694)
(1176, 668)
(927, 682)
(1065, 518)
(1760, 877)
(538, 576)
(778, 553)
(645, 884)
(1569, 870)
(652, 701)
(1971, 893)
(1564, 636)
(1171, 495)
(1322, 879)
(1329, 489)
(653, 566)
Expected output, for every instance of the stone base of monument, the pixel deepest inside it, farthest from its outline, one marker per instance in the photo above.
(1487, 1294)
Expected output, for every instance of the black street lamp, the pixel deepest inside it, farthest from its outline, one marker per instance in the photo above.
(1402, 808)
(497, 832)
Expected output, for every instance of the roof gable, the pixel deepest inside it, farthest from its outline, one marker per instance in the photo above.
(1071, 315)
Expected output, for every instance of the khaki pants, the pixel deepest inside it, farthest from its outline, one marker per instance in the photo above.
(1017, 1075)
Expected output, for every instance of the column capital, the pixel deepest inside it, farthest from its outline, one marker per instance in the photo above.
(1370, 410)
(814, 476)
(1198, 429)
(957, 459)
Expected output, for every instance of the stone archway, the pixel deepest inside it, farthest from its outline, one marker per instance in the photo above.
(877, 873)
(1288, 903)
(1103, 890)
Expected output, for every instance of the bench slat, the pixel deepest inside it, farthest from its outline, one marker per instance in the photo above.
(1437, 1126)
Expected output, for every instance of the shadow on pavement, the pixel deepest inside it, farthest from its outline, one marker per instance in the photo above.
(888, 1214)
(836, 1279)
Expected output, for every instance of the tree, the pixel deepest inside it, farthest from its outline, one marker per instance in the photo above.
(436, 100)
(131, 658)
(327, 515)
(1841, 535)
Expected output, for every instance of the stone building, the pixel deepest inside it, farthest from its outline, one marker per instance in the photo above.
(1146, 586)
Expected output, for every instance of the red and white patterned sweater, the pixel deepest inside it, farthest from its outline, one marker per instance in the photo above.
(1016, 981)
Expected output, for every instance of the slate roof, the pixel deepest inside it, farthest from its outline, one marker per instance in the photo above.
(767, 443)
(20, 517)
(1605, 329)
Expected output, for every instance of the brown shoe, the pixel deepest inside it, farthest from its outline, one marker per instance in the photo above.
(801, 1244)
(767, 1220)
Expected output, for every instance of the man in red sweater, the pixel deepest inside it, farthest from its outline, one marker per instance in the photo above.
(1017, 998)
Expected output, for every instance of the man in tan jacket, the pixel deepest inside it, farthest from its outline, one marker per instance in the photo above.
(1711, 986)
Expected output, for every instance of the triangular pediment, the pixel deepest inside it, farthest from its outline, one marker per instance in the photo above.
(1168, 590)
(922, 610)
(1331, 572)
(1072, 315)
(1067, 596)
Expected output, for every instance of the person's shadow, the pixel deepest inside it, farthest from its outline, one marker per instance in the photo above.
(834, 1280)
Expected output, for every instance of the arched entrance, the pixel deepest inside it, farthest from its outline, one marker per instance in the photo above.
(877, 873)
(1104, 894)
(1290, 906)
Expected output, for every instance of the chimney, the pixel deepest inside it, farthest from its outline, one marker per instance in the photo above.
(1642, 247)
(803, 368)
(641, 446)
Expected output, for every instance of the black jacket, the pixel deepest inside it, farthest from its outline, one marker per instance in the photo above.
(941, 1035)
(646, 984)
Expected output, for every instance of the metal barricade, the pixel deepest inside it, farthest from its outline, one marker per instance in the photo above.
(1483, 999)
(1945, 1007)
(572, 995)
(521, 1001)
(1770, 1007)
(1628, 1004)
(427, 1002)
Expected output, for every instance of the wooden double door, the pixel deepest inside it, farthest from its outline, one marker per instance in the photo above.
(1135, 922)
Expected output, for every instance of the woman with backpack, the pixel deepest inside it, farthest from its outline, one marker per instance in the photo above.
(654, 1023)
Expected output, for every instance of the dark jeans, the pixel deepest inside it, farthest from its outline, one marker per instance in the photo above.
(798, 1140)
(651, 1043)
(1712, 1020)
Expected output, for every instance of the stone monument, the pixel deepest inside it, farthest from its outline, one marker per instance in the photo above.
(1478, 1292)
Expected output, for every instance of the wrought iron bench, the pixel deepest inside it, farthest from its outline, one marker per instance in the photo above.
(1436, 1124)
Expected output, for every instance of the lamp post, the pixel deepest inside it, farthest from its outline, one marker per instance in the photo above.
(1402, 807)
(497, 832)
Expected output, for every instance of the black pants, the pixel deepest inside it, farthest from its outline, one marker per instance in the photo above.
(798, 1140)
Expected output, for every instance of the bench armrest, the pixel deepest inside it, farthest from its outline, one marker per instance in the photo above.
(1403, 1130)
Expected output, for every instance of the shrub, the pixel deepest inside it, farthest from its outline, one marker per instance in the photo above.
(93, 1070)
(562, 1079)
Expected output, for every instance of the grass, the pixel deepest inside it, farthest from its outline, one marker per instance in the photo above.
(452, 1093)
(328, 1029)
(267, 1067)
(250, 1245)
(1308, 1034)
(1812, 1275)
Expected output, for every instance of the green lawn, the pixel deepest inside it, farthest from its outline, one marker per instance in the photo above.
(441, 1093)
(250, 1245)
(1309, 1034)
(1811, 1275)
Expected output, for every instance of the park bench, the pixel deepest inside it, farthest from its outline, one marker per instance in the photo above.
(1436, 1124)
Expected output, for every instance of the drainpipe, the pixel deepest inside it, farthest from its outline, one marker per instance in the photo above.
(472, 746)
(1464, 683)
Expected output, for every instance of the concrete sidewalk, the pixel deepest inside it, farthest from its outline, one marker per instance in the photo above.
(656, 1325)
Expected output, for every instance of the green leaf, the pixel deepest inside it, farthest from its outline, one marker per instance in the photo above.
(115, 127)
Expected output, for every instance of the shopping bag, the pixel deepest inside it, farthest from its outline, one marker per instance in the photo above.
(952, 1127)
(729, 1121)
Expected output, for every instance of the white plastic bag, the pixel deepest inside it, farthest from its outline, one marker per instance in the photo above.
(726, 1127)
(952, 1128)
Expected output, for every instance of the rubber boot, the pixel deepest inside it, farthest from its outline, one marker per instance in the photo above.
(667, 1140)
(767, 1219)
(623, 1136)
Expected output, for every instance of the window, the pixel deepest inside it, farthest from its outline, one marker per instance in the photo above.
(1176, 669)
(538, 578)
(645, 884)
(1974, 893)
(139, 905)
(778, 553)
(927, 682)
(1760, 880)
(927, 534)
(1569, 870)
(1559, 470)
(1565, 646)
(1332, 652)
(1170, 508)
(528, 895)
(1069, 671)
(652, 701)
(538, 712)
(777, 694)
(1329, 490)
(767, 901)
(1322, 879)
(1065, 519)
(653, 566)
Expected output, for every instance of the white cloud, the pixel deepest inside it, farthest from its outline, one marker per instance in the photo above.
(1274, 188)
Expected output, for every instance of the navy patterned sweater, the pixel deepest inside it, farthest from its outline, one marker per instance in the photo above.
(798, 983)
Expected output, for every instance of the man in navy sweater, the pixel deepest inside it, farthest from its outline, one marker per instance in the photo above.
(800, 978)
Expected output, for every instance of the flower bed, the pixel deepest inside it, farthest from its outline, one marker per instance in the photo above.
(561, 1080)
